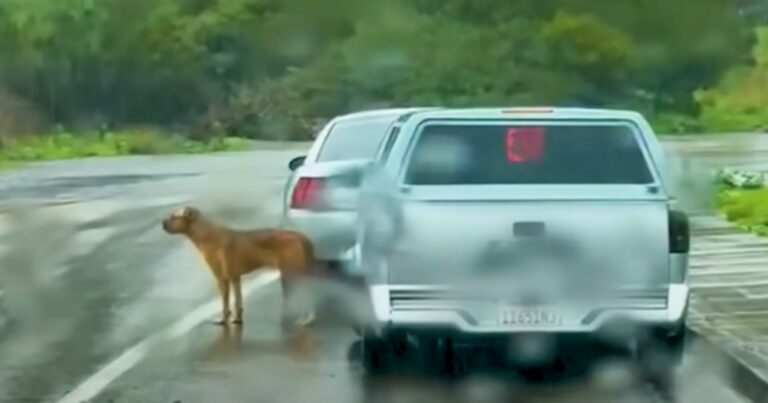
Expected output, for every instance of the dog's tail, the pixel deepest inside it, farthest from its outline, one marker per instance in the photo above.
(315, 267)
(320, 269)
(309, 252)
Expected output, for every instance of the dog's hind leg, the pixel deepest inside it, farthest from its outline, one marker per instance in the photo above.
(237, 286)
(306, 318)
(304, 293)
(288, 302)
(297, 303)
(223, 286)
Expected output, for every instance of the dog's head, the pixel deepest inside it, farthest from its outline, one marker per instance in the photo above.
(181, 220)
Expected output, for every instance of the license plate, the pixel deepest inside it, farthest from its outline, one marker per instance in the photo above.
(529, 317)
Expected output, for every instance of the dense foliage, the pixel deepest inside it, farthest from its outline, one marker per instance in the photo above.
(740, 102)
(743, 198)
(273, 68)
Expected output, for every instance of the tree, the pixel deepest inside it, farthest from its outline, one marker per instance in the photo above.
(599, 54)
(740, 100)
(179, 61)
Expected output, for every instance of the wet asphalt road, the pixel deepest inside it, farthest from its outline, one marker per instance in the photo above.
(117, 309)
(81, 283)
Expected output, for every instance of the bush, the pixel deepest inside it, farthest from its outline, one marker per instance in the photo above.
(17, 117)
(740, 101)
(743, 199)
(65, 145)
(273, 111)
(675, 123)
(746, 208)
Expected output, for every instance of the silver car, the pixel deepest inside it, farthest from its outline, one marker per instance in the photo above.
(320, 196)
(513, 228)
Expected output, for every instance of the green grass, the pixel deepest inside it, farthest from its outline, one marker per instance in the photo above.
(747, 208)
(673, 123)
(67, 145)
(711, 123)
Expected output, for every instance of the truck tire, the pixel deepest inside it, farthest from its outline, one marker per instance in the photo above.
(439, 357)
(659, 354)
(666, 346)
(373, 356)
(389, 353)
(377, 354)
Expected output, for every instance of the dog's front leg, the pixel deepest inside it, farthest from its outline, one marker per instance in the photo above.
(237, 286)
(223, 285)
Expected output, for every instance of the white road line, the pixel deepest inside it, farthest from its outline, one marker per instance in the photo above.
(723, 238)
(702, 242)
(729, 284)
(718, 271)
(713, 263)
(97, 382)
(753, 250)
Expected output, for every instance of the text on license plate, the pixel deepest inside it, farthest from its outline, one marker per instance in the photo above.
(529, 317)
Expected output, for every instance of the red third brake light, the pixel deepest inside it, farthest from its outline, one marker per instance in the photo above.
(528, 110)
(524, 144)
(307, 193)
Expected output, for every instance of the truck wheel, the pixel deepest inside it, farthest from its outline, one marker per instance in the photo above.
(665, 345)
(441, 358)
(659, 355)
(366, 354)
(388, 354)
(373, 356)
(376, 353)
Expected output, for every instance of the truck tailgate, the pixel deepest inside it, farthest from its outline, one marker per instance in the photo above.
(567, 244)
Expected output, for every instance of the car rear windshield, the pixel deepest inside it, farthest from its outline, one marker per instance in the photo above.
(508, 154)
(355, 139)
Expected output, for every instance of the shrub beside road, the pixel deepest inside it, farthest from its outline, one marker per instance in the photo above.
(743, 198)
(139, 142)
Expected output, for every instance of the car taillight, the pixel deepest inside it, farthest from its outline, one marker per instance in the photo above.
(307, 193)
(679, 232)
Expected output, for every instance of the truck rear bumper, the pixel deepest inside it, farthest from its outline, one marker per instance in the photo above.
(405, 306)
(331, 232)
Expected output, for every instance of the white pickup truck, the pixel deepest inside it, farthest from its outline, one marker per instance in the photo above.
(509, 230)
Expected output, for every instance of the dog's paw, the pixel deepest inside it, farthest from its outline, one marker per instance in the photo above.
(237, 321)
(305, 319)
(220, 322)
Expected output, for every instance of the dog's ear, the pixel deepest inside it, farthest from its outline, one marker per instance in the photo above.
(191, 213)
(186, 213)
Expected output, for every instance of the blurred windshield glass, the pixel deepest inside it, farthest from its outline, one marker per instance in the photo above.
(498, 154)
(354, 139)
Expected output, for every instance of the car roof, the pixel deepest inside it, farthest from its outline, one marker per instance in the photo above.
(534, 112)
(373, 113)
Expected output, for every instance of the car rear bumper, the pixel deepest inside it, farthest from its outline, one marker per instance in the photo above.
(404, 306)
(331, 233)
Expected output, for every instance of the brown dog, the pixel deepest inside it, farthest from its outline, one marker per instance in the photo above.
(231, 253)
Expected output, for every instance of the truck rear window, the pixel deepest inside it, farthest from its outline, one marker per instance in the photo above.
(504, 154)
(355, 138)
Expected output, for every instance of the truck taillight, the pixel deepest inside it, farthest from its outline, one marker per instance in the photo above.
(679, 232)
(307, 193)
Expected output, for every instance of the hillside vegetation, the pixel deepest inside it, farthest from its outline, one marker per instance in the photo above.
(274, 69)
